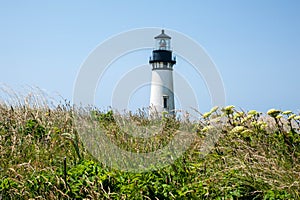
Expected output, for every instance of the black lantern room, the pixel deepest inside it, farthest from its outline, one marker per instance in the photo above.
(162, 54)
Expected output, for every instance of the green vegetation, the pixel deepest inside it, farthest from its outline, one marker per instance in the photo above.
(256, 157)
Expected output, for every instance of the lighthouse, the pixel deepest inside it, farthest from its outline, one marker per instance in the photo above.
(162, 62)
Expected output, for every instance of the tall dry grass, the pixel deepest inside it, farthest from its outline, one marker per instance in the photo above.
(256, 155)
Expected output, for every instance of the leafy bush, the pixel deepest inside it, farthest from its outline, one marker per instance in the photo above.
(255, 157)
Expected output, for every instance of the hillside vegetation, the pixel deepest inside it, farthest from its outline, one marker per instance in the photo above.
(255, 157)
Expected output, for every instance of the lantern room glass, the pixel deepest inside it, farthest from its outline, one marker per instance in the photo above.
(163, 44)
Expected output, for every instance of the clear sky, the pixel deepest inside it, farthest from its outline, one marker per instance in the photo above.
(254, 44)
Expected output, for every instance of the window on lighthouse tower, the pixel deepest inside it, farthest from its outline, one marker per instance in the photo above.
(165, 101)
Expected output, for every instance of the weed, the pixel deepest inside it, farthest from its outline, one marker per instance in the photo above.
(42, 156)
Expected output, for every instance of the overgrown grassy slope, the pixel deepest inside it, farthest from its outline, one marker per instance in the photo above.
(256, 157)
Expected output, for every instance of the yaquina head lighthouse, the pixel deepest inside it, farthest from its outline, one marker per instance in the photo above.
(162, 61)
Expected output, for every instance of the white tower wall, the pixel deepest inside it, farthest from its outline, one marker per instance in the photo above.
(162, 90)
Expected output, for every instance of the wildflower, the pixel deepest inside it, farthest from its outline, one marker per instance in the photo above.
(292, 116)
(287, 112)
(252, 112)
(297, 117)
(228, 110)
(214, 109)
(237, 129)
(273, 113)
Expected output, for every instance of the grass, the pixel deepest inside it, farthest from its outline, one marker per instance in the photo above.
(43, 157)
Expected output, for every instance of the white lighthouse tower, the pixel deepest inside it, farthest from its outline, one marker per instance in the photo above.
(162, 95)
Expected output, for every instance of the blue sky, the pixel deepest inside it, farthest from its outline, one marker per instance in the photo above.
(254, 44)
